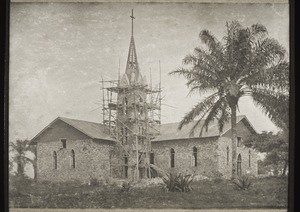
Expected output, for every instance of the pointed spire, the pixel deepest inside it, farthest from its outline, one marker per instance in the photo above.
(132, 66)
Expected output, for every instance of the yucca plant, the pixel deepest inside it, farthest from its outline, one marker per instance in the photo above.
(184, 182)
(170, 181)
(243, 182)
(177, 182)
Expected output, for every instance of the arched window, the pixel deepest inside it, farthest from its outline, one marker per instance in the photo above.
(54, 160)
(172, 158)
(227, 155)
(249, 158)
(239, 165)
(195, 157)
(72, 156)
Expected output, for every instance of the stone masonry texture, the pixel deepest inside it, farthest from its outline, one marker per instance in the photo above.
(96, 158)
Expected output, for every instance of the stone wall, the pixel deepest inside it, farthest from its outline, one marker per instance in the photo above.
(91, 160)
(206, 155)
(224, 165)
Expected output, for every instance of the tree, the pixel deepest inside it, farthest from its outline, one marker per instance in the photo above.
(19, 149)
(246, 62)
(274, 145)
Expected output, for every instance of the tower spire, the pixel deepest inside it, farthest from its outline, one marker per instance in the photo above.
(132, 67)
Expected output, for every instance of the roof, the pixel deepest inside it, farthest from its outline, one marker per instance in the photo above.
(170, 131)
(91, 129)
(167, 131)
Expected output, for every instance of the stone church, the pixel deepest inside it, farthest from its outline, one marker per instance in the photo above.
(129, 144)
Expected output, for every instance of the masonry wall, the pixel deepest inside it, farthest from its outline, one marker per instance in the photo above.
(91, 156)
(207, 163)
(91, 160)
(225, 165)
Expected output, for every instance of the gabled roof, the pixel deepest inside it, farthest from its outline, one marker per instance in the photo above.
(91, 129)
(167, 131)
(170, 131)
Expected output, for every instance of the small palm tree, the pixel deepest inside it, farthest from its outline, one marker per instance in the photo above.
(19, 150)
(246, 62)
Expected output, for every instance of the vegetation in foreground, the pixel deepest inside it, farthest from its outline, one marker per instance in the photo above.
(270, 192)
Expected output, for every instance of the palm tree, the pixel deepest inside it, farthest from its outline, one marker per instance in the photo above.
(19, 150)
(246, 62)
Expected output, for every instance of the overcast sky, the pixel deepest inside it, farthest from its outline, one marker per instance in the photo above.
(58, 52)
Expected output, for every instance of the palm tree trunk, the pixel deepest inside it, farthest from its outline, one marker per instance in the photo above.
(20, 168)
(233, 140)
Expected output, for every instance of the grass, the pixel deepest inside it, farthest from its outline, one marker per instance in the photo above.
(268, 192)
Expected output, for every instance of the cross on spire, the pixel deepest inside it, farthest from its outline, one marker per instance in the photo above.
(132, 17)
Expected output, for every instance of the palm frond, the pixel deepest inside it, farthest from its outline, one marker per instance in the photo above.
(200, 109)
(276, 76)
(210, 40)
(258, 31)
(213, 114)
(274, 104)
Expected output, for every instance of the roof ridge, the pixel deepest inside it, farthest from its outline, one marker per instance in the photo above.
(60, 117)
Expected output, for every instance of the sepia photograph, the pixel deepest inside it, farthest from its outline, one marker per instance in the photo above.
(148, 105)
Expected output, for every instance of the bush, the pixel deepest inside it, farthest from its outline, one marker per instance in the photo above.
(177, 182)
(243, 182)
(184, 183)
(126, 186)
(93, 182)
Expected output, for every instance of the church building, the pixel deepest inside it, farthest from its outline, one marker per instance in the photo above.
(131, 141)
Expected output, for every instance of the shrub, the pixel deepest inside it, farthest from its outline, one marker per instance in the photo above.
(184, 183)
(177, 182)
(126, 186)
(217, 177)
(243, 182)
(170, 181)
(93, 182)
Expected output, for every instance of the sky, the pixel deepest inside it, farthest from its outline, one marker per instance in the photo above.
(59, 51)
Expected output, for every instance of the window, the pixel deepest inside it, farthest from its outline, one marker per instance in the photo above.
(151, 157)
(239, 141)
(64, 143)
(249, 158)
(227, 154)
(239, 165)
(72, 156)
(172, 162)
(54, 160)
(195, 156)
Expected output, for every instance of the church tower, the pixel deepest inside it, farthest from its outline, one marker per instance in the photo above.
(132, 117)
